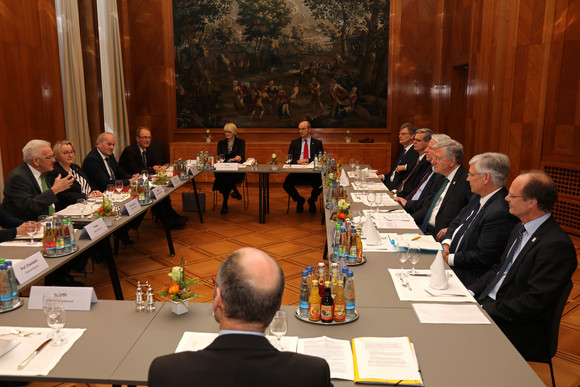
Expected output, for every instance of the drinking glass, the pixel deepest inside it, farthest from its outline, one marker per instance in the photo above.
(279, 327)
(221, 158)
(110, 191)
(118, 186)
(414, 255)
(288, 159)
(31, 227)
(352, 164)
(55, 316)
(371, 197)
(379, 200)
(403, 252)
(82, 206)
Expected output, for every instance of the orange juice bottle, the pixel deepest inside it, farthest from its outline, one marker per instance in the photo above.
(339, 303)
(314, 303)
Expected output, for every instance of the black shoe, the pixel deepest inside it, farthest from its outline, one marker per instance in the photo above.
(300, 205)
(128, 242)
(236, 195)
(224, 209)
(312, 206)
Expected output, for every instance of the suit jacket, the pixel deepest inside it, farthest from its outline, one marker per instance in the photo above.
(131, 160)
(94, 168)
(526, 298)
(296, 147)
(71, 195)
(23, 197)
(238, 149)
(457, 197)
(431, 188)
(409, 159)
(239, 360)
(414, 177)
(9, 223)
(485, 238)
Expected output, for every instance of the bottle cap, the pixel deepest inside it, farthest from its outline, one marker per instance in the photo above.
(8, 263)
(340, 283)
(3, 266)
(2, 260)
(321, 264)
(315, 282)
(309, 268)
(349, 273)
(304, 272)
(345, 270)
(327, 283)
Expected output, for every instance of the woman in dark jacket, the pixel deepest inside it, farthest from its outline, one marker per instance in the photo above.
(64, 153)
(234, 150)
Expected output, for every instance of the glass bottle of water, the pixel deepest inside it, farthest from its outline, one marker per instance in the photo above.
(304, 294)
(5, 289)
(349, 295)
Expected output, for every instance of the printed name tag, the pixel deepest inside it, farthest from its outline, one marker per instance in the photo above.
(158, 192)
(73, 298)
(227, 166)
(30, 267)
(94, 229)
(176, 181)
(132, 207)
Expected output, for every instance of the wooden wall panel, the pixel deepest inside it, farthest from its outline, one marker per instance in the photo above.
(31, 104)
(148, 62)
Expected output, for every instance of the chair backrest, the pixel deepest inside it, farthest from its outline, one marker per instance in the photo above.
(554, 324)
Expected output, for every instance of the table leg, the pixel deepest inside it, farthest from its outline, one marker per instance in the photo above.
(166, 224)
(196, 200)
(261, 216)
(106, 253)
(267, 195)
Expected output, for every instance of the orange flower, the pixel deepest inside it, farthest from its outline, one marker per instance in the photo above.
(341, 215)
(173, 289)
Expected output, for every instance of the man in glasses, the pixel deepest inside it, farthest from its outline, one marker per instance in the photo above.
(521, 291)
(407, 158)
(27, 194)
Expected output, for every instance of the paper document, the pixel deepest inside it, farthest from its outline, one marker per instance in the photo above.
(423, 242)
(449, 314)
(385, 360)
(418, 288)
(195, 341)
(337, 354)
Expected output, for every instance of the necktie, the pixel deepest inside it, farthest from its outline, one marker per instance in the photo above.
(392, 173)
(402, 186)
(110, 164)
(306, 149)
(506, 264)
(423, 180)
(44, 189)
(463, 228)
(432, 206)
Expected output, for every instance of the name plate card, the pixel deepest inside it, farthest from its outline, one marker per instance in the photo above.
(73, 298)
(226, 166)
(132, 207)
(30, 267)
(158, 192)
(94, 229)
(175, 181)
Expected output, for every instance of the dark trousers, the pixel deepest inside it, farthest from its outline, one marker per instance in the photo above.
(311, 179)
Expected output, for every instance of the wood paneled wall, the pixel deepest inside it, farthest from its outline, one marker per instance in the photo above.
(31, 104)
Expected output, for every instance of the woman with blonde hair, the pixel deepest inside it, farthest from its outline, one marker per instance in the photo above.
(234, 151)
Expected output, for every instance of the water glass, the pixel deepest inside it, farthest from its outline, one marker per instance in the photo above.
(414, 255)
(55, 316)
(403, 253)
(31, 228)
(288, 159)
(279, 327)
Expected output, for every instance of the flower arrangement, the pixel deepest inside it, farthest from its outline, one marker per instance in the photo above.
(341, 211)
(208, 134)
(348, 136)
(274, 160)
(106, 209)
(161, 179)
(179, 289)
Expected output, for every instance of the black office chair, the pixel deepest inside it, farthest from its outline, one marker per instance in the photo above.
(553, 329)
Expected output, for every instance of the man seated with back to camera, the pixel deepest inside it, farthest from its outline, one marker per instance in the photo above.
(247, 294)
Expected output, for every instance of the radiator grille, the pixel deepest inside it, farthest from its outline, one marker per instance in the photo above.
(567, 208)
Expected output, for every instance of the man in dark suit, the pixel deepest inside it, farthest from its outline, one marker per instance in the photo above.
(247, 294)
(420, 145)
(520, 292)
(27, 194)
(454, 192)
(407, 158)
(11, 226)
(474, 240)
(303, 151)
(101, 167)
(138, 157)
(428, 184)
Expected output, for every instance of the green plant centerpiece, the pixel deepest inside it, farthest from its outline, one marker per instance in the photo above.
(179, 288)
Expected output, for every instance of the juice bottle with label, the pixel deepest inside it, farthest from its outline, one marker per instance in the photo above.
(339, 303)
(327, 305)
(314, 303)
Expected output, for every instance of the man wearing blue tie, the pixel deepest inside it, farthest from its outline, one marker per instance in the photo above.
(407, 158)
(521, 291)
(474, 240)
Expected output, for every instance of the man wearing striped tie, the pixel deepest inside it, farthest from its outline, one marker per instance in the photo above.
(521, 291)
(27, 194)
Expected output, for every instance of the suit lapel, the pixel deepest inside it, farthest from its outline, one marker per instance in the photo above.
(450, 190)
(31, 177)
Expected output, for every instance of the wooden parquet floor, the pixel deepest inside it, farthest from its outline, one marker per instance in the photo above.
(294, 240)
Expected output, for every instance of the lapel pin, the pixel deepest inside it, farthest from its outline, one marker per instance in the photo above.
(533, 239)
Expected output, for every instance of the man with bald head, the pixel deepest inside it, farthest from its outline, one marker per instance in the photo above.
(521, 291)
(248, 293)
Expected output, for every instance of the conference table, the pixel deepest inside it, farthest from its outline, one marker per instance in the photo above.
(119, 343)
(100, 243)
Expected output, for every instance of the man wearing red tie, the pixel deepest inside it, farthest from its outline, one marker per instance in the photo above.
(303, 150)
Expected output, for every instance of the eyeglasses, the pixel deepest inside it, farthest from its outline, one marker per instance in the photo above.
(145, 137)
(68, 153)
(515, 196)
(228, 131)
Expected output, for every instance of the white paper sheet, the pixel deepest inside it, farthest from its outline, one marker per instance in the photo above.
(45, 360)
(337, 353)
(450, 314)
(456, 292)
(195, 341)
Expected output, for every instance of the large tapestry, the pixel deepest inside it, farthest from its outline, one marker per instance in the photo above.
(272, 63)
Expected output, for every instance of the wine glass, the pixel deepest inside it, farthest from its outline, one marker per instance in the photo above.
(279, 327)
(288, 159)
(371, 197)
(414, 255)
(55, 316)
(352, 164)
(82, 206)
(110, 191)
(379, 200)
(403, 252)
(221, 158)
(31, 227)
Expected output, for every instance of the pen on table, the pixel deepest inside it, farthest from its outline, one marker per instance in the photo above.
(416, 238)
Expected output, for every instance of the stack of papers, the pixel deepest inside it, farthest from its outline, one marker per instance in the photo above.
(450, 314)
(398, 219)
(372, 173)
(386, 200)
(372, 186)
